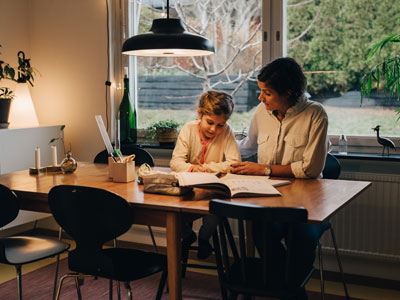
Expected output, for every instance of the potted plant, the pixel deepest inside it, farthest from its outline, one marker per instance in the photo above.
(6, 96)
(25, 74)
(165, 131)
(386, 74)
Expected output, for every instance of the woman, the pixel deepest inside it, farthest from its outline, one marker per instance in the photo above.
(289, 134)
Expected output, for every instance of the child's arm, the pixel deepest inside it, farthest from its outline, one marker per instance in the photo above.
(180, 156)
(231, 155)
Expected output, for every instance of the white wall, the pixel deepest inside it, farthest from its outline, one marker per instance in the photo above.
(66, 41)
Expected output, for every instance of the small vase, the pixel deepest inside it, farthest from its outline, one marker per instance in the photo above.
(69, 164)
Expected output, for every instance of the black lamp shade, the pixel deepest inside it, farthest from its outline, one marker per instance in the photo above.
(167, 38)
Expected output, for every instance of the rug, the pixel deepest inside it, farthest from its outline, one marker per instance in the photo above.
(38, 285)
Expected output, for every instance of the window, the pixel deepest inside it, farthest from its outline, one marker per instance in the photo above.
(330, 39)
(170, 87)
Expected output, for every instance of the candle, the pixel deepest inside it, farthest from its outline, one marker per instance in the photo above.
(54, 155)
(37, 158)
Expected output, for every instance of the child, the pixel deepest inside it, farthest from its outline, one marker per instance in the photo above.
(206, 145)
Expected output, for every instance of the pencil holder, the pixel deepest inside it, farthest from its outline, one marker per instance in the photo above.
(121, 171)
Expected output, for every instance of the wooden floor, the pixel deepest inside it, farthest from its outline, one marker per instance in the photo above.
(357, 291)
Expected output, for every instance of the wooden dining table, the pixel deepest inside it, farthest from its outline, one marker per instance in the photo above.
(321, 197)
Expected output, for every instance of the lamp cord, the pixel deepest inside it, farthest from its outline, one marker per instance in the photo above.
(167, 9)
(108, 83)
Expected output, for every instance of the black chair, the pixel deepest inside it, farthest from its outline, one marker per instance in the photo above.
(251, 276)
(141, 155)
(92, 217)
(20, 250)
(331, 170)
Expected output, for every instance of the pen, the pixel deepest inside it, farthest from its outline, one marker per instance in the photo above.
(116, 154)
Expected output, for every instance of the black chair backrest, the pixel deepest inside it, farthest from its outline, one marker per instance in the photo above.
(332, 167)
(252, 272)
(9, 205)
(141, 155)
(90, 216)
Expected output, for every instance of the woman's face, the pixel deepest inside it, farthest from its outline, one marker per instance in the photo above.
(272, 100)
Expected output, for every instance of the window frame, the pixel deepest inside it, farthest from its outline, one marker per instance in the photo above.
(273, 46)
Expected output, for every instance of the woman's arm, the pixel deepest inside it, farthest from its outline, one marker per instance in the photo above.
(251, 168)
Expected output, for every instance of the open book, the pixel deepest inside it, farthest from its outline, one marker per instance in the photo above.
(232, 185)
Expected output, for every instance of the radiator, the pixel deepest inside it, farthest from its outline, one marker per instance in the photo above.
(370, 224)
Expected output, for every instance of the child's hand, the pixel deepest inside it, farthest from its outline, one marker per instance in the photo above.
(199, 168)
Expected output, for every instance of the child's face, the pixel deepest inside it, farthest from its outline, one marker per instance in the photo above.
(271, 99)
(211, 125)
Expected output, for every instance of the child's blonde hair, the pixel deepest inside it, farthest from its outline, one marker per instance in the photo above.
(217, 103)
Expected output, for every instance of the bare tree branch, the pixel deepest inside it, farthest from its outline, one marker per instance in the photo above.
(299, 4)
(238, 50)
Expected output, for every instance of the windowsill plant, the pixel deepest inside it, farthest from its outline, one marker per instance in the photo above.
(164, 131)
(384, 76)
(23, 73)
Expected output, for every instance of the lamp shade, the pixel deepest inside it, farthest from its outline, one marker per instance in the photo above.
(167, 38)
(22, 113)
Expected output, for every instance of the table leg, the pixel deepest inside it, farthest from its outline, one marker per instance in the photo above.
(174, 228)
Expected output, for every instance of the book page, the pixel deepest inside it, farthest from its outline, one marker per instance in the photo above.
(249, 186)
(272, 182)
(196, 178)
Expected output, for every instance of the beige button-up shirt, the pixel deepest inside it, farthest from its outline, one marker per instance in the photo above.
(299, 140)
(215, 155)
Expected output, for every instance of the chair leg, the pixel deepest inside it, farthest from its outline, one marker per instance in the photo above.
(57, 265)
(128, 287)
(321, 271)
(34, 227)
(339, 263)
(19, 281)
(78, 287)
(118, 283)
(152, 238)
(161, 286)
(110, 290)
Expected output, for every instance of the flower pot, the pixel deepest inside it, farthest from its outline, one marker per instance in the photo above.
(5, 105)
(167, 135)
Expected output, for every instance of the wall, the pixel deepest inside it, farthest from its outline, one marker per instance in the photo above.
(66, 41)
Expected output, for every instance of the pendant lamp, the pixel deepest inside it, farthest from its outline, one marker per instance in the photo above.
(167, 38)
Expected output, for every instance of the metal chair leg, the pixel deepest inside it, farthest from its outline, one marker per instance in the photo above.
(128, 287)
(57, 265)
(118, 283)
(161, 285)
(321, 271)
(19, 281)
(110, 290)
(339, 263)
(78, 288)
(152, 238)
(34, 227)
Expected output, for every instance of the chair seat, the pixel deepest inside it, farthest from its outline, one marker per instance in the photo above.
(118, 263)
(18, 250)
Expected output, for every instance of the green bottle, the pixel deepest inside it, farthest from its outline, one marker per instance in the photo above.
(127, 116)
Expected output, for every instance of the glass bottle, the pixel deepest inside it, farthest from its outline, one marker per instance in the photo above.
(69, 164)
(127, 115)
(342, 144)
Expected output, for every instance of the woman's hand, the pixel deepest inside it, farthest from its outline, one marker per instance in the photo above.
(248, 168)
(199, 168)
